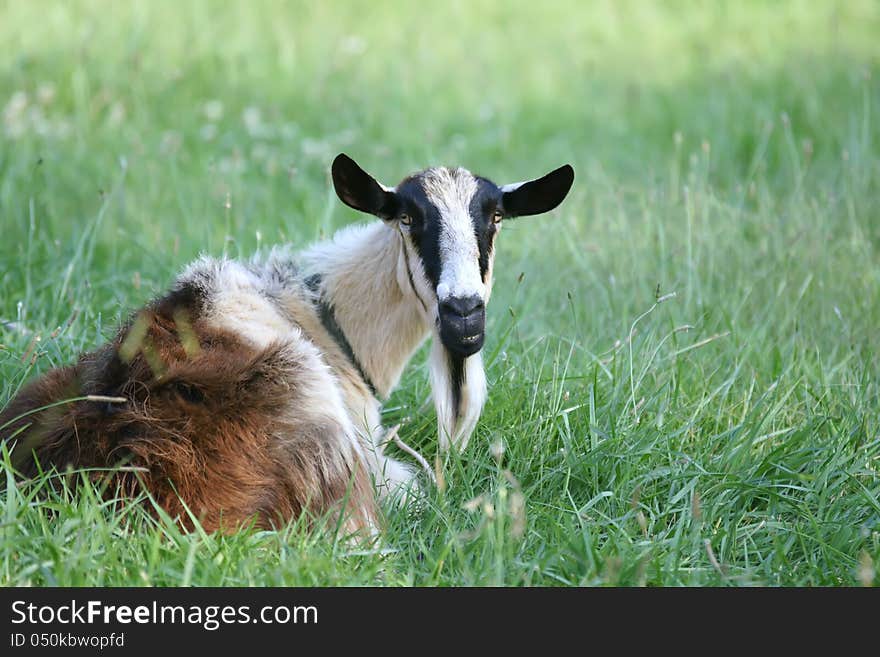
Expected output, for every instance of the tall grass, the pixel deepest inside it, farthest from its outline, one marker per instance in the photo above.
(725, 152)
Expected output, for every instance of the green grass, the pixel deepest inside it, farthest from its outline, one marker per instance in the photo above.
(726, 152)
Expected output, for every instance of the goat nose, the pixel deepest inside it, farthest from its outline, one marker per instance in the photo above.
(462, 306)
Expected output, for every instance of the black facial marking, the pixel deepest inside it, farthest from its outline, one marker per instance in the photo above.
(425, 227)
(483, 205)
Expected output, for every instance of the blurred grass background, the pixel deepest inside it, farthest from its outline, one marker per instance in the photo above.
(725, 151)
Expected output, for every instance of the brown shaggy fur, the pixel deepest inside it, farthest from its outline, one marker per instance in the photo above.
(206, 424)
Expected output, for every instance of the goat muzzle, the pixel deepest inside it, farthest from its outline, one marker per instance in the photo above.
(462, 324)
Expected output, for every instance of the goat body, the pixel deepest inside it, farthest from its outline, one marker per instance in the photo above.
(250, 391)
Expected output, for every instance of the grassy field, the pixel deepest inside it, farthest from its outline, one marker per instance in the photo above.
(726, 152)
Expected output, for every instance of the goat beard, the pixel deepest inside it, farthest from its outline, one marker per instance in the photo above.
(458, 385)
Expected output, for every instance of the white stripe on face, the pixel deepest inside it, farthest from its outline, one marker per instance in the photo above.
(451, 191)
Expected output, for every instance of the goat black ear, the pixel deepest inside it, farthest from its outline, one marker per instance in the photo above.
(359, 190)
(539, 195)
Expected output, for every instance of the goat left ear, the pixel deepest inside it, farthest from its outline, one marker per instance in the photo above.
(359, 190)
(539, 195)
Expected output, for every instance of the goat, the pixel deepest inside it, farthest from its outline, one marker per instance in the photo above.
(250, 392)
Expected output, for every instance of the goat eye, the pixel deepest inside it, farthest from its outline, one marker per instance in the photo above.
(497, 217)
(404, 218)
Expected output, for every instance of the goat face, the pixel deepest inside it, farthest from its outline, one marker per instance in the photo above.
(448, 220)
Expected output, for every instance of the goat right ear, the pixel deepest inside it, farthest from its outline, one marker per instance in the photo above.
(359, 190)
(537, 196)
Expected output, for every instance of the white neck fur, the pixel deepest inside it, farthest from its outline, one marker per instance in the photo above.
(365, 277)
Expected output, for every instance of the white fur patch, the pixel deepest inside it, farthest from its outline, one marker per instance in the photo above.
(382, 320)
(235, 302)
(451, 191)
(456, 429)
